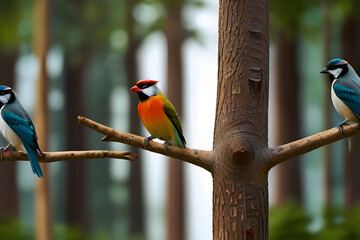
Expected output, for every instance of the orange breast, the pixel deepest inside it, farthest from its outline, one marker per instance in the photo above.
(153, 117)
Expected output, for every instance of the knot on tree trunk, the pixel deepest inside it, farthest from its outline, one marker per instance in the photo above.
(241, 152)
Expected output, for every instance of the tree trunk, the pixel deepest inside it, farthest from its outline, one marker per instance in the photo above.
(174, 33)
(76, 61)
(135, 181)
(240, 207)
(75, 140)
(8, 184)
(351, 53)
(288, 185)
(136, 199)
(42, 193)
(327, 104)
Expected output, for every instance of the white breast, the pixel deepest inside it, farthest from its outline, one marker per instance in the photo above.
(10, 135)
(341, 107)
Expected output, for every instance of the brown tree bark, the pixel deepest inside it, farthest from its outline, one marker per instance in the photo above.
(351, 53)
(288, 186)
(42, 193)
(174, 33)
(8, 184)
(240, 195)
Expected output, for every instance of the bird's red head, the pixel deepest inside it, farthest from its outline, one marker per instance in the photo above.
(143, 84)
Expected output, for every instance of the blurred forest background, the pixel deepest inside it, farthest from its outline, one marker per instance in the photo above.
(98, 49)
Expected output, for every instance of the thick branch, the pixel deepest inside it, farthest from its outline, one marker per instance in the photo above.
(294, 149)
(199, 158)
(69, 155)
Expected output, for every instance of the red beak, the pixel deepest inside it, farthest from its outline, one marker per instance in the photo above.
(135, 89)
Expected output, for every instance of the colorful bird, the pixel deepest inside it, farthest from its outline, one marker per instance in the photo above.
(158, 115)
(345, 90)
(17, 128)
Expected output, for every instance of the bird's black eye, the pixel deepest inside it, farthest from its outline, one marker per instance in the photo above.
(143, 86)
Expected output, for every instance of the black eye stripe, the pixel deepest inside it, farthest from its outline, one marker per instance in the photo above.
(5, 91)
(333, 67)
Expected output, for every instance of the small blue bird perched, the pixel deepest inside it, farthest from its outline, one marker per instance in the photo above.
(345, 90)
(17, 128)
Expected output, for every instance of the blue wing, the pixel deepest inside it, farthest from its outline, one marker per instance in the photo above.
(349, 94)
(20, 122)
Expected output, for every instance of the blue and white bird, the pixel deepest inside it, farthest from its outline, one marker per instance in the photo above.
(17, 128)
(345, 90)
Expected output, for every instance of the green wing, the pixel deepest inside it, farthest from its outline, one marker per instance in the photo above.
(174, 118)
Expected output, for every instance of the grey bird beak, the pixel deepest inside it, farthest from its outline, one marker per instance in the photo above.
(325, 71)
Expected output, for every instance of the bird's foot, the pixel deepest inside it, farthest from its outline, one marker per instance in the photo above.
(5, 151)
(2, 149)
(340, 125)
(166, 146)
(146, 141)
(10, 147)
(42, 154)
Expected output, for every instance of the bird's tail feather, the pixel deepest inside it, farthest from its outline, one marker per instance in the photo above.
(34, 162)
(178, 141)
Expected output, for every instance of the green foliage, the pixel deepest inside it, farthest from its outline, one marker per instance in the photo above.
(162, 10)
(68, 233)
(288, 222)
(137, 237)
(63, 232)
(15, 23)
(289, 15)
(347, 7)
(12, 229)
(78, 23)
(341, 224)
(306, 17)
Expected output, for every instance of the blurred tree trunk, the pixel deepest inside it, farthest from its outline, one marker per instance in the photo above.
(327, 104)
(136, 199)
(7, 66)
(99, 183)
(78, 56)
(175, 34)
(75, 137)
(8, 184)
(351, 53)
(288, 126)
(41, 45)
(135, 181)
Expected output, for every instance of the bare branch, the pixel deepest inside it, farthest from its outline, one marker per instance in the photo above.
(294, 149)
(69, 155)
(199, 158)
